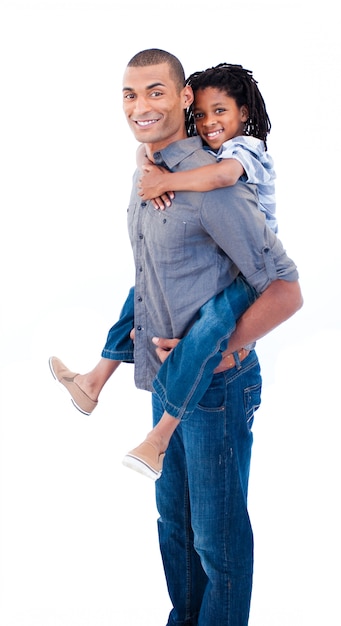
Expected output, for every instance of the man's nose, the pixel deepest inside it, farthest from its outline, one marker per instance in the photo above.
(141, 105)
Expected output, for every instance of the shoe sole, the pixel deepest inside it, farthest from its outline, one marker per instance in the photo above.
(141, 467)
(65, 390)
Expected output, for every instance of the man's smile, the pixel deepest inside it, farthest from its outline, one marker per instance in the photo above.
(145, 123)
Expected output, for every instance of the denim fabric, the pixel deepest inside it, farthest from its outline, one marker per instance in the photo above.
(119, 346)
(186, 374)
(205, 534)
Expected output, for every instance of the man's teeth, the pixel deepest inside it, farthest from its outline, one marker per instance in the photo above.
(146, 123)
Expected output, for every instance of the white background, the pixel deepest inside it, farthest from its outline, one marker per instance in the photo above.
(79, 542)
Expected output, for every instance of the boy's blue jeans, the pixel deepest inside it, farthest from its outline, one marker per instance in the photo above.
(205, 535)
(119, 346)
(187, 372)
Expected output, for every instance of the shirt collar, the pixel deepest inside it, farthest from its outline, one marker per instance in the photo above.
(177, 151)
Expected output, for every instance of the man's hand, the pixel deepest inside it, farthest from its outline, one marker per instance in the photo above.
(164, 347)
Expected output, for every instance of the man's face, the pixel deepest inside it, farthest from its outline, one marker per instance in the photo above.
(153, 106)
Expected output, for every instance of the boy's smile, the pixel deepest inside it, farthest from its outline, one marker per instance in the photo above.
(217, 116)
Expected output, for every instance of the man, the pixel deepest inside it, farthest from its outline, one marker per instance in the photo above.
(183, 257)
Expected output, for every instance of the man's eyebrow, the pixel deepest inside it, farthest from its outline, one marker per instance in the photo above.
(151, 86)
(158, 84)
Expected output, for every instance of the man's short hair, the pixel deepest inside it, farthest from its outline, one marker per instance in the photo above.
(154, 56)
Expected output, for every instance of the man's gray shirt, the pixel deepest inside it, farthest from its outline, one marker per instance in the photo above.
(191, 251)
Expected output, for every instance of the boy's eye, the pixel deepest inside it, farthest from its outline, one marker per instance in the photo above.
(197, 116)
(128, 96)
(156, 93)
(220, 111)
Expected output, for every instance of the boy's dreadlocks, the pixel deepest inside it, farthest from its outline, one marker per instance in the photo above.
(237, 83)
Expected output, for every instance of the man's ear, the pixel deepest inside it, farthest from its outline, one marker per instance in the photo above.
(188, 97)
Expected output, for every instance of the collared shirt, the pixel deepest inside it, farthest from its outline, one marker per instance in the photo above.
(191, 251)
(259, 169)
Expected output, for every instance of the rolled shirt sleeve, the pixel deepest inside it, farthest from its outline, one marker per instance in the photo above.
(235, 223)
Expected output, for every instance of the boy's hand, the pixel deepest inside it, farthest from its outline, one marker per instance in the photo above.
(152, 186)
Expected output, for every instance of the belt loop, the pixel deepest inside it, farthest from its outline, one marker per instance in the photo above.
(237, 360)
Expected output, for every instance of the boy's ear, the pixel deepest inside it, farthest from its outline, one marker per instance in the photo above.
(244, 113)
(188, 96)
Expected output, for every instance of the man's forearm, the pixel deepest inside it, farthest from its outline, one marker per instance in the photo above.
(274, 306)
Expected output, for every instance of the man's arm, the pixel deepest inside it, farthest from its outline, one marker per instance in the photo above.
(274, 306)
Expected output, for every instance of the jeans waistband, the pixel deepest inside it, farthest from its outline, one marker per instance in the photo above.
(234, 359)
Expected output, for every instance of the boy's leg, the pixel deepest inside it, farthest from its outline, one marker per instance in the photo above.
(147, 458)
(186, 374)
(119, 345)
(84, 389)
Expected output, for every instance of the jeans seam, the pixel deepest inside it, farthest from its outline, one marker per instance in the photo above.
(188, 556)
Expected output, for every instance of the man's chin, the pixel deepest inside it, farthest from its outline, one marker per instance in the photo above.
(147, 138)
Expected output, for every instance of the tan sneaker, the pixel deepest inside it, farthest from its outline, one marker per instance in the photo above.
(146, 460)
(65, 377)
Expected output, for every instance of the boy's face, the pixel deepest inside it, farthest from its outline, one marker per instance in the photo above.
(153, 105)
(217, 116)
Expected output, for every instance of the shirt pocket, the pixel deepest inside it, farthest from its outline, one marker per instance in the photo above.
(167, 236)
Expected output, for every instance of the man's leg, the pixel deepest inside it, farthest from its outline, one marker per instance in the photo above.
(216, 443)
(185, 577)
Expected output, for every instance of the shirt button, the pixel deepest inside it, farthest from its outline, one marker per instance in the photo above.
(138, 327)
(143, 204)
(140, 236)
(140, 269)
(139, 299)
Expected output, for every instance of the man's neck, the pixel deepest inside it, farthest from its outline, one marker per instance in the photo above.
(151, 148)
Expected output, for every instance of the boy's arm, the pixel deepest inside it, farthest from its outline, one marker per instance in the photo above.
(141, 157)
(160, 201)
(156, 181)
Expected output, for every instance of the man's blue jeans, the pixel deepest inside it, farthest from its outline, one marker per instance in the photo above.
(205, 533)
